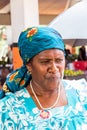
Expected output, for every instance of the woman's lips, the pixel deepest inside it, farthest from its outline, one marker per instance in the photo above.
(53, 76)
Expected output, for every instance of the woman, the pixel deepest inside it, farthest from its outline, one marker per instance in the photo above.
(35, 96)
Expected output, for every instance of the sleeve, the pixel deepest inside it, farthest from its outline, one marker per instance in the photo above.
(81, 89)
(82, 92)
(8, 119)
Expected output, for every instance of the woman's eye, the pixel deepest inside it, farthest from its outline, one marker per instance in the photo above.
(45, 62)
(59, 60)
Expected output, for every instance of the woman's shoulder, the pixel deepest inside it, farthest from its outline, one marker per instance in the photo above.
(80, 89)
(80, 84)
(13, 98)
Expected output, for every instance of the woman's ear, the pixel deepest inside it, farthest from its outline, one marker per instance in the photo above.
(29, 67)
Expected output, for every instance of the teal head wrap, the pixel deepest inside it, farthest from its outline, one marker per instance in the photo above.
(31, 42)
(34, 40)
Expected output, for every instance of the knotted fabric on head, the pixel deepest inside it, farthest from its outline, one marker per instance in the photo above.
(34, 40)
(31, 42)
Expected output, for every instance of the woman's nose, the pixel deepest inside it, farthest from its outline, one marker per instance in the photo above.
(53, 67)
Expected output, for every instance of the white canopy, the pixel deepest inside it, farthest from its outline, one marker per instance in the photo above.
(72, 24)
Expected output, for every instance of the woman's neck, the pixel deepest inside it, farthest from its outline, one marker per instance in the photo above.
(39, 100)
(47, 99)
(42, 91)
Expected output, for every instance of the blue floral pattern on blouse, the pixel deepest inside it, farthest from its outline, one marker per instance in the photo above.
(19, 112)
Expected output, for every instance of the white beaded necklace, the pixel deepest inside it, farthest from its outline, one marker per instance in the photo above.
(39, 101)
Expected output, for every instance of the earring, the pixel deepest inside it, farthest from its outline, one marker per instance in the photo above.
(29, 72)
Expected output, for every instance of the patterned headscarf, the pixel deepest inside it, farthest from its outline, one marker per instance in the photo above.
(31, 42)
(34, 40)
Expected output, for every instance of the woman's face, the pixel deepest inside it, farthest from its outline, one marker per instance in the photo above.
(47, 68)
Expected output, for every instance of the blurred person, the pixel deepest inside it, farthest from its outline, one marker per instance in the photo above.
(10, 56)
(82, 54)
